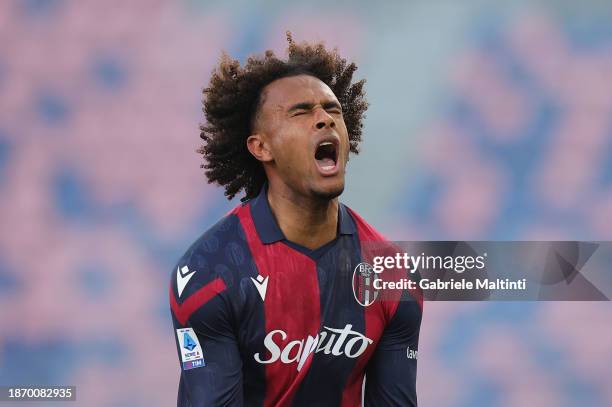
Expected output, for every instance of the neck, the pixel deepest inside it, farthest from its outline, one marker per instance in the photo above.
(309, 222)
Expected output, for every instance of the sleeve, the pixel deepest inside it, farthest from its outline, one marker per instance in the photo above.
(391, 372)
(209, 357)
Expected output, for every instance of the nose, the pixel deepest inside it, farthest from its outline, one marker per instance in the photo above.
(324, 119)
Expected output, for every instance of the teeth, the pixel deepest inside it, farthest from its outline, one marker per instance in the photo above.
(325, 143)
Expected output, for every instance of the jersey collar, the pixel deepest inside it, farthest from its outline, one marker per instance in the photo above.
(269, 231)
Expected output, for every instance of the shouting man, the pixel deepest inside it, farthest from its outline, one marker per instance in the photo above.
(263, 303)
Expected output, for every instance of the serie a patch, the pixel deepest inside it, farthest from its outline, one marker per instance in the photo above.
(191, 351)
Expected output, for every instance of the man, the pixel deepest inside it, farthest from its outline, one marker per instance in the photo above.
(263, 303)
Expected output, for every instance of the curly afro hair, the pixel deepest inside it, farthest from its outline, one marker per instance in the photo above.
(232, 99)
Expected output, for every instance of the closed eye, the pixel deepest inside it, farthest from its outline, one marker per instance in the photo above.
(332, 107)
(302, 108)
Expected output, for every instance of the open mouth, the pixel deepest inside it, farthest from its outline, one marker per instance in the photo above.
(326, 156)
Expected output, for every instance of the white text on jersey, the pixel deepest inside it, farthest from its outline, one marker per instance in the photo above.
(332, 341)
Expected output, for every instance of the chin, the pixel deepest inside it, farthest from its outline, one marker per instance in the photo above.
(328, 193)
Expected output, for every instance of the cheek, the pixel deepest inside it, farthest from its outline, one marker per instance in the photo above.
(345, 141)
(291, 148)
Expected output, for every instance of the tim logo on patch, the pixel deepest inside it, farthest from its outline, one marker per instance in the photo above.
(191, 351)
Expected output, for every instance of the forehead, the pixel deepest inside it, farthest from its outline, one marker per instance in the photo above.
(285, 92)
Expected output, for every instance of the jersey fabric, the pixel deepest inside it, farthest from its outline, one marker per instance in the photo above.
(262, 321)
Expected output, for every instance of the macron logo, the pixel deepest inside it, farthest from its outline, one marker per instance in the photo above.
(261, 284)
(183, 276)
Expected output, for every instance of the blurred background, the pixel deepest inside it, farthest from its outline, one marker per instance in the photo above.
(488, 120)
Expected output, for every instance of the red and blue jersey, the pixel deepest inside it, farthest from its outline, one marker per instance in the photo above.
(262, 321)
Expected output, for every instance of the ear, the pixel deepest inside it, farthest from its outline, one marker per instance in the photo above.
(258, 146)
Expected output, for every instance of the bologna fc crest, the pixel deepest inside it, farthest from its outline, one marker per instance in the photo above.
(363, 284)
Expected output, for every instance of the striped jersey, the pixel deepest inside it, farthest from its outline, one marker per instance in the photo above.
(262, 321)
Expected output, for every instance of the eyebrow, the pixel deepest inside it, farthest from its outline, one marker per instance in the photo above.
(308, 106)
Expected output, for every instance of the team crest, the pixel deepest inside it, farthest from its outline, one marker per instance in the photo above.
(363, 284)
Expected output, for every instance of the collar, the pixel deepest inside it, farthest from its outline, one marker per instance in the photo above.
(269, 231)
